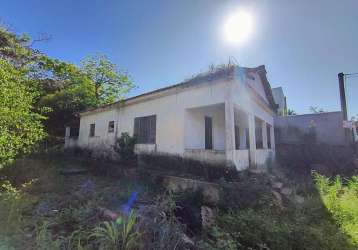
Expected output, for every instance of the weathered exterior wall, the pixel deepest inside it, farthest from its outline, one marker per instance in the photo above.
(170, 111)
(180, 120)
(262, 155)
(195, 127)
(212, 156)
(241, 159)
(102, 137)
(327, 126)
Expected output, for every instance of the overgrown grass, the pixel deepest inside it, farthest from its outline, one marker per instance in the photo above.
(341, 199)
(41, 209)
(249, 218)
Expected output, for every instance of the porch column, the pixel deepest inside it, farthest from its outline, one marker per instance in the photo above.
(252, 140)
(242, 132)
(229, 132)
(67, 136)
(264, 134)
(272, 134)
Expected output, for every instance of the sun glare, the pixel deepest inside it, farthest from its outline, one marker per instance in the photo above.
(238, 27)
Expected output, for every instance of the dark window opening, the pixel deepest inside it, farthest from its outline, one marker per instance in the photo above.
(92, 130)
(111, 127)
(74, 132)
(237, 137)
(208, 133)
(268, 136)
(247, 138)
(145, 129)
(258, 133)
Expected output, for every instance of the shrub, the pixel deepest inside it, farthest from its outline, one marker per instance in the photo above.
(263, 229)
(117, 234)
(341, 200)
(124, 146)
(12, 204)
(20, 127)
(219, 240)
(162, 230)
(300, 159)
(45, 239)
(249, 191)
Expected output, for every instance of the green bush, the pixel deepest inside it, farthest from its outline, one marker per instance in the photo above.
(249, 191)
(119, 234)
(124, 146)
(264, 229)
(341, 200)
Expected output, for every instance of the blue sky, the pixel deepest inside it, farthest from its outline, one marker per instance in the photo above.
(304, 44)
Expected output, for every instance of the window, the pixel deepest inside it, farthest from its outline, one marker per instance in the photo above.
(111, 127)
(268, 135)
(145, 129)
(237, 137)
(258, 133)
(92, 130)
(74, 132)
(208, 132)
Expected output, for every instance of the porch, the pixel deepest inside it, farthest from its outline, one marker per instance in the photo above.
(226, 133)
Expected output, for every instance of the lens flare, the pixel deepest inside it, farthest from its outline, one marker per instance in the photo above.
(238, 27)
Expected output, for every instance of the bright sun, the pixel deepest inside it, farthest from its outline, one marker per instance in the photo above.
(238, 27)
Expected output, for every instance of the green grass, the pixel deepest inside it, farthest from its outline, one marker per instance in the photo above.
(249, 219)
(248, 216)
(341, 200)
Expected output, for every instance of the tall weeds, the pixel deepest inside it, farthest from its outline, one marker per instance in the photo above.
(341, 199)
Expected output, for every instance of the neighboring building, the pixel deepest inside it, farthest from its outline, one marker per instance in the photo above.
(280, 100)
(225, 115)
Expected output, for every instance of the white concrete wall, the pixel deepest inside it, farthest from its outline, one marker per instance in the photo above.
(212, 156)
(195, 127)
(262, 155)
(241, 159)
(254, 81)
(102, 137)
(170, 111)
(180, 117)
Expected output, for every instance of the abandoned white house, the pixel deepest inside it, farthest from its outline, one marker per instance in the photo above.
(224, 115)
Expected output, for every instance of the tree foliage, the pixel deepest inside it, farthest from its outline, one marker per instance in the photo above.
(291, 112)
(32, 83)
(20, 127)
(110, 84)
(64, 89)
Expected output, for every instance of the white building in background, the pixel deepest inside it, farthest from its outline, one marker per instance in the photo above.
(225, 115)
(280, 98)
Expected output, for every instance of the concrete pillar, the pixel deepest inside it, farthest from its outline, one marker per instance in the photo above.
(67, 136)
(264, 134)
(252, 140)
(229, 131)
(242, 132)
(272, 134)
(67, 131)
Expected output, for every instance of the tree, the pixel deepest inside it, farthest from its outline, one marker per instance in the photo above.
(291, 112)
(316, 110)
(110, 84)
(63, 89)
(20, 127)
